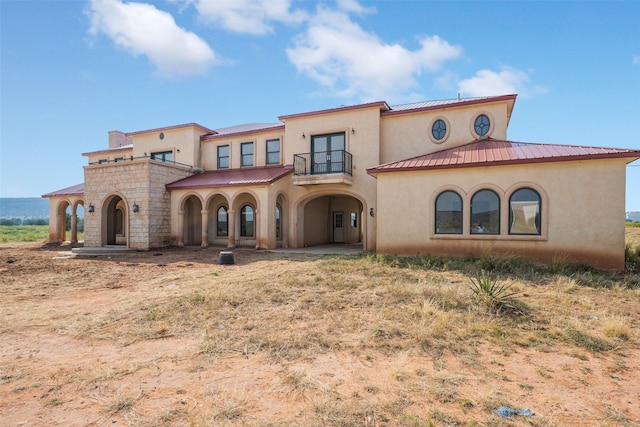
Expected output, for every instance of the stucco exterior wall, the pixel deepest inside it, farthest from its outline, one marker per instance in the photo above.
(582, 212)
(259, 139)
(183, 142)
(407, 135)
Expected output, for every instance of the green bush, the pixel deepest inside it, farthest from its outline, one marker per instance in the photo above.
(491, 295)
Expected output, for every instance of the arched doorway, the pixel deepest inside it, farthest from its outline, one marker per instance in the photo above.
(63, 220)
(192, 226)
(332, 218)
(114, 225)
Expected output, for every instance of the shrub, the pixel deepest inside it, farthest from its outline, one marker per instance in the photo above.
(491, 295)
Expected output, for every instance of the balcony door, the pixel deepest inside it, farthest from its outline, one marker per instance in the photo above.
(327, 153)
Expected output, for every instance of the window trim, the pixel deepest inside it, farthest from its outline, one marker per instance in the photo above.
(435, 209)
(538, 220)
(243, 155)
(154, 156)
(267, 152)
(447, 131)
(471, 222)
(472, 125)
(243, 224)
(505, 196)
(228, 156)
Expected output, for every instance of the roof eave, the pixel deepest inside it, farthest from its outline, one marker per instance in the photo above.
(375, 171)
(382, 105)
(245, 132)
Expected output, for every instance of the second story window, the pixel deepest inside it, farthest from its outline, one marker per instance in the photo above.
(273, 151)
(328, 153)
(246, 154)
(223, 157)
(163, 156)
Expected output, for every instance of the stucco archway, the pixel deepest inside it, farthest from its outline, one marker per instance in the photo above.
(192, 222)
(330, 218)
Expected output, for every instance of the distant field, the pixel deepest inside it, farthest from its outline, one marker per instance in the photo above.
(24, 233)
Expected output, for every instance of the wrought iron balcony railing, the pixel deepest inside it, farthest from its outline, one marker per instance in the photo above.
(322, 162)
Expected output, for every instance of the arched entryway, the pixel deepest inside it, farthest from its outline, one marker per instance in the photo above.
(114, 221)
(332, 218)
(63, 212)
(192, 222)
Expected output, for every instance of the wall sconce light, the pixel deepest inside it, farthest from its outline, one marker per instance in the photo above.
(371, 212)
(135, 207)
(90, 208)
(353, 131)
(303, 135)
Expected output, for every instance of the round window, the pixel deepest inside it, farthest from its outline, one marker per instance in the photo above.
(482, 125)
(439, 130)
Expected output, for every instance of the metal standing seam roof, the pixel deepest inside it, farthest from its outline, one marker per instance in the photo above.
(74, 190)
(492, 152)
(232, 177)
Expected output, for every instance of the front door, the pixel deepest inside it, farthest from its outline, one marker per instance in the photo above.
(338, 227)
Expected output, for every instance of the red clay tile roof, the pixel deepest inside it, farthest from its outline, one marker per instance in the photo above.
(74, 190)
(232, 177)
(493, 152)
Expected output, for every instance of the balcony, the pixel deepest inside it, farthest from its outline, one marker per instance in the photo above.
(322, 167)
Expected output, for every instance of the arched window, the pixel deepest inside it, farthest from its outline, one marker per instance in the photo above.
(448, 213)
(278, 223)
(223, 222)
(246, 221)
(485, 213)
(524, 212)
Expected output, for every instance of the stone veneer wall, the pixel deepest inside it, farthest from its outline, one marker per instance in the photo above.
(141, 182)
(159, 205)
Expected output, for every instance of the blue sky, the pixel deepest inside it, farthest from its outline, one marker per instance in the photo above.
(73, 70)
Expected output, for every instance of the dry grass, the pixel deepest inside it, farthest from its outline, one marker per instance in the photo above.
(295, 313)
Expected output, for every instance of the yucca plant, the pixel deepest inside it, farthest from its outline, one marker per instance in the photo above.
(492, 295)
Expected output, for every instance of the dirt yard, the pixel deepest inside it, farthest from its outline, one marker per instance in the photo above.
(88, 342)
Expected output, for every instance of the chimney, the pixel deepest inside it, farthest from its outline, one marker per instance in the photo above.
(118, 139)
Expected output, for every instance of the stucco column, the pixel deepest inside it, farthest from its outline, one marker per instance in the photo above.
(62, 226)
(74, 227)
(231, 242)
(179, 235)
(256, 221)
(205, 231)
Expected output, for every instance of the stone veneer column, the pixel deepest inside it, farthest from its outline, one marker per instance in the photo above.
(179, 235)
(232, 229)
(205, 231)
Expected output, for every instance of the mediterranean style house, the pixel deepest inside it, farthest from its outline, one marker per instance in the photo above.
(428, 178)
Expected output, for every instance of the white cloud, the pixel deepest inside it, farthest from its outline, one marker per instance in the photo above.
(350, 62)
(248, 16)
(142, 29)
(636, 59)
(504, 82)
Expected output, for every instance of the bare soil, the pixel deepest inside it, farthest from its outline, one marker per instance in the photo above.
(56, 372)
